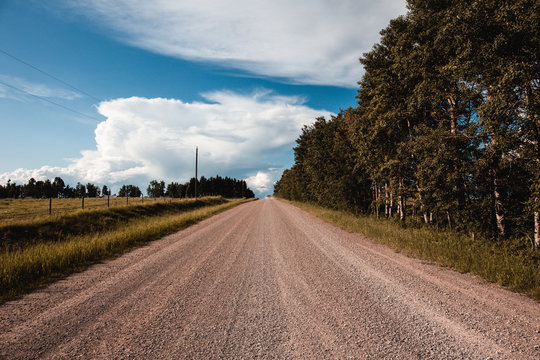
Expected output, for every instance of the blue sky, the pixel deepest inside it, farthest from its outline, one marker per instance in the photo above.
(152, 80)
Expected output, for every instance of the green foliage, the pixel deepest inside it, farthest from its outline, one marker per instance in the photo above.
(46, 189)
(325, 171)
(156, 189)
(129, 191)
(446, 130)
(215, 186)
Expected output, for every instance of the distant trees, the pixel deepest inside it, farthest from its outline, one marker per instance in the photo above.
(175, 190)
(129, 191)
(11, 190)
(227, 187)
(446, 130)
(58, 187)
(156, 189)
(92, 190)
(80, 190)
(47, 189)
(224, 186)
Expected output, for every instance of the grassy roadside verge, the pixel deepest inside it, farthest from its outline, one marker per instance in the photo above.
(32, 266)
(19, 234)
(508, 264)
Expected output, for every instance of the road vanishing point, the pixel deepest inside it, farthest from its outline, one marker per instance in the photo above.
(267, 280)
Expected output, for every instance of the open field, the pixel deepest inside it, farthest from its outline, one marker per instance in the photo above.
(35, 252)
(510, 264)
(31, 209)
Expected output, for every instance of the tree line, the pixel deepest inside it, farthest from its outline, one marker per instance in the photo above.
(51, 189)
(446, 129)
(213, 186)
(226, 187)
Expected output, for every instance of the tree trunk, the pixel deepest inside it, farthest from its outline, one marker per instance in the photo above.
(499, 208)
(422, 206)
(537, 230)
(401, 201)
(386, 200)
(391, 204)
(536, 121)
(449, 220)
(402, 208)
(377, 200)
(453, 120)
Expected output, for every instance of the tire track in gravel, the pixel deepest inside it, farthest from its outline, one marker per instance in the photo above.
(267, 280)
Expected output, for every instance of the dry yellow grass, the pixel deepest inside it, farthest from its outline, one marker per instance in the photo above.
(32, 209)
(28, 267)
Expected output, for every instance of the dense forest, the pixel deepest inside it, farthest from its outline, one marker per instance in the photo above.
(446, 132)
(226, 187)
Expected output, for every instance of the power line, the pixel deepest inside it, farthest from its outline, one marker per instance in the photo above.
(49, 75)
(49, 101)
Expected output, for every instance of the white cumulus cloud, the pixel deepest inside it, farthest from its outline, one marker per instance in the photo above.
(261, 182)
(142, 139)
(302, 41)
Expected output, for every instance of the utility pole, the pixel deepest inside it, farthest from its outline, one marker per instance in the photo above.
(196, 168)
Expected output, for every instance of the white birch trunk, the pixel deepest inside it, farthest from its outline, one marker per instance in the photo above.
(537, 230)
(453, 120)
(377, 195)
(391, 205)
(401, 201)
(386, 200)
(499, 210)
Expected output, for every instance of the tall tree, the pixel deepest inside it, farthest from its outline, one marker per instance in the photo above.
(156, 189)
(58, 186)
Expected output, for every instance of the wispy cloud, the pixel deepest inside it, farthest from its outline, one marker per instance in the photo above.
(142, 139)
(27, 87)
(301, 41)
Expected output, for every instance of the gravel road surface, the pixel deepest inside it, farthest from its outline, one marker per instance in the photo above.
(267, 280)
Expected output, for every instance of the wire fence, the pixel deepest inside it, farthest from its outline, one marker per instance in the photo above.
(29, 209)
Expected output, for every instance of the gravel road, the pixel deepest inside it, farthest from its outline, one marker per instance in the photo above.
(267, 280)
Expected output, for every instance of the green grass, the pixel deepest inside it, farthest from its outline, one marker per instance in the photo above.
(511, 264)
(35, 264)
